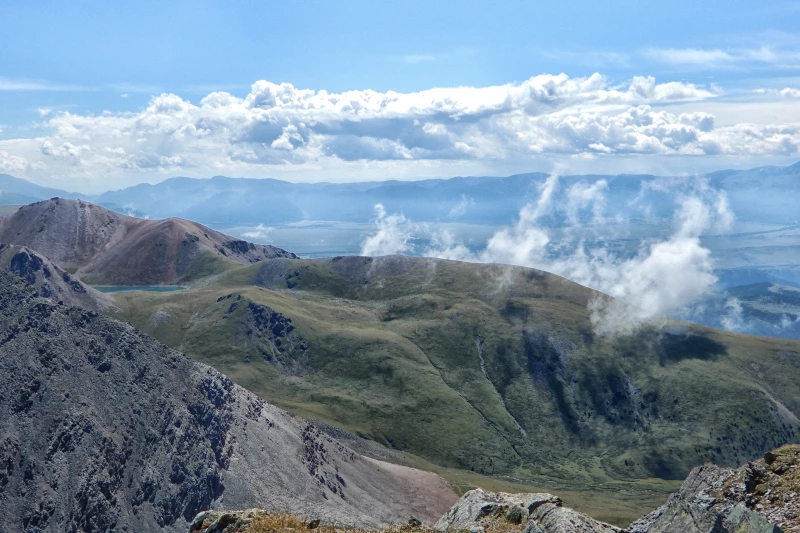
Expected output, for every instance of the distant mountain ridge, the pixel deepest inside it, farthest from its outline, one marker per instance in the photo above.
(17, 191)
(225, 201)
(476, 200)
(103, 247)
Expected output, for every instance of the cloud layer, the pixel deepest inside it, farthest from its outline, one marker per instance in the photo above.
(660, 277)
(280, 126)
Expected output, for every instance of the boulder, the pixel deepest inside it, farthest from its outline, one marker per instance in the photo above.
(477, 510)
(550, 518)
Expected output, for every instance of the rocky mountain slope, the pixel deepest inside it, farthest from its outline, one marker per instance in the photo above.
(50, 280)
(103, 247)
(104, 429)
(485, 368)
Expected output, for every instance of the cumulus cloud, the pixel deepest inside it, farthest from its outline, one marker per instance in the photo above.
(280, 126)
(786, 92)
(10, 164)
(662, 278)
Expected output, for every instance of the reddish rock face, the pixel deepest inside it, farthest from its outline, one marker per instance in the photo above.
(108, 248)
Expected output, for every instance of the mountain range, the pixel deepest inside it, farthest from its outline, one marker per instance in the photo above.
(765, 194)
(489, 369)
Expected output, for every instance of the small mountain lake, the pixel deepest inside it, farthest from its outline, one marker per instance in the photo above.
(126, 288)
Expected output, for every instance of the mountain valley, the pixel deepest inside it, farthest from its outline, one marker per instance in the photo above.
(489, 375)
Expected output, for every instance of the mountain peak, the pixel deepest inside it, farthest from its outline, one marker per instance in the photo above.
(105, 247)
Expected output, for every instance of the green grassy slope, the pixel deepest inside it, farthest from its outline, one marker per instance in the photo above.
(483, 368)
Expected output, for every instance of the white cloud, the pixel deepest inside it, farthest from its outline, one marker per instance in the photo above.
(11, 164)
(259, 233)
(660, 278)
(786, 92)
(733, 319)
(690, 56)
(763, 55)
(582, 196)
(460, 209)
(391, 237)
(21, 85)
(281, 127)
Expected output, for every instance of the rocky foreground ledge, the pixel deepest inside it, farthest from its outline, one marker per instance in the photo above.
(760, 497)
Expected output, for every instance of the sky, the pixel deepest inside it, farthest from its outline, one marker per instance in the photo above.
(103, 95)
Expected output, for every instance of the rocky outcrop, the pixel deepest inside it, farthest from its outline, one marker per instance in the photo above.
(477, 507)
(550, 518)
(227, 522)
(113, 249)
(761, 496)
(478, 511)
(276, 338)
(50, 280)
(105, 429)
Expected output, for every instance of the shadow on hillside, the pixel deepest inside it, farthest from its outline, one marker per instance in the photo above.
(673, 348)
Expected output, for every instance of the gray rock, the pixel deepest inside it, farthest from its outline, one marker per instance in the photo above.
(742, 519)
(551, 518)
(104, 429)
(476, 506)
(536, 513)
(224, 521)
(711, 500)
(50, 280)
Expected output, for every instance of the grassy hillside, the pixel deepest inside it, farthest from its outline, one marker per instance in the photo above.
(483, 368)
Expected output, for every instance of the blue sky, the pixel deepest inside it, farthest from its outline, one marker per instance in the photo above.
(68, 63)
